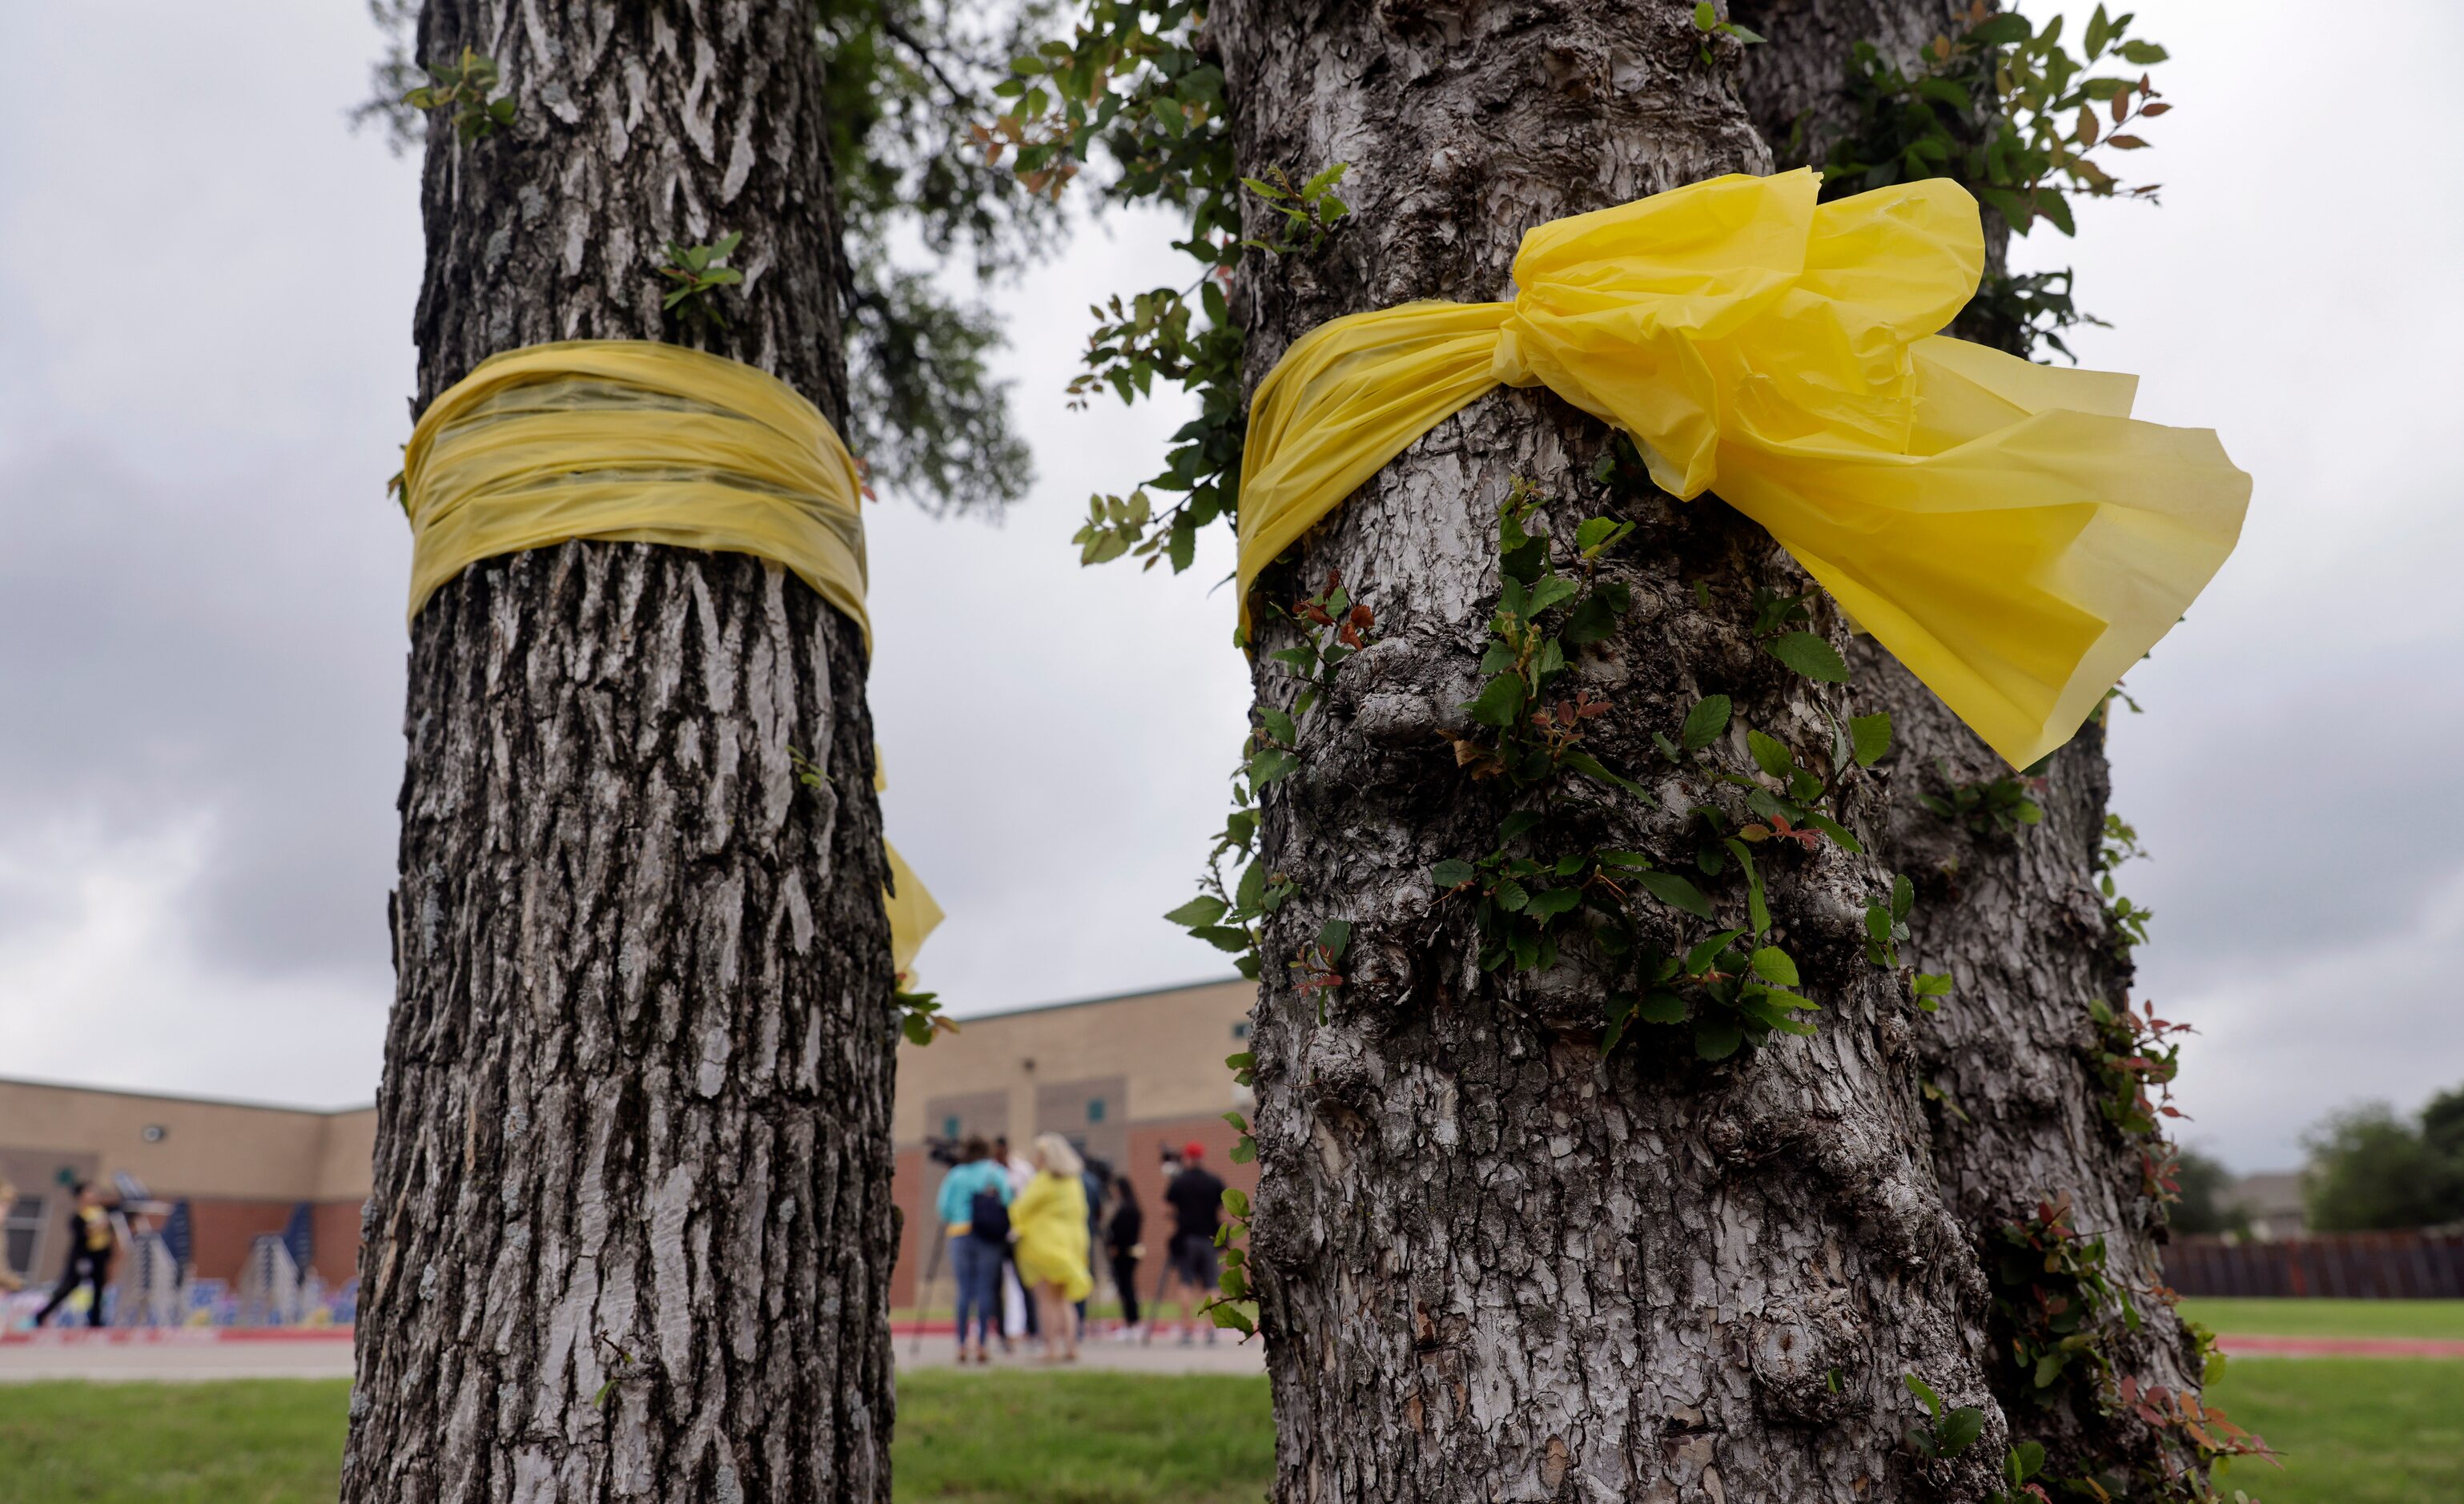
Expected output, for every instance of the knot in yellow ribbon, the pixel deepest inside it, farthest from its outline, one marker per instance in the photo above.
(2005, 529)
(629, 441)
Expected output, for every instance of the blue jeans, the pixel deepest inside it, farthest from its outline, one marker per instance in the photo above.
(977, 1265)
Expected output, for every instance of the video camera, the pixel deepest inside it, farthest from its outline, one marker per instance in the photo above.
(941, 1151)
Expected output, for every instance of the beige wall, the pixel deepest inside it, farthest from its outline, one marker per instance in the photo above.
(206, 1148)
(1168, 1046)
(345, 1169)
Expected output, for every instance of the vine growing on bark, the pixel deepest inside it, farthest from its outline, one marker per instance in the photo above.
(2009, 110)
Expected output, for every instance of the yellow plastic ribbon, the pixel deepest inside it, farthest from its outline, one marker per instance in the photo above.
(2005, 529)
(629, 441)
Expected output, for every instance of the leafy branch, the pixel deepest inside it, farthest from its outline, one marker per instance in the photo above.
(698, 270)
(1309, 210)
(463, 87)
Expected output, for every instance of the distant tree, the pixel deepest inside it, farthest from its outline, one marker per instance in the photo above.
(2442, 1126)
(2204, 1180)
(2370, 1169)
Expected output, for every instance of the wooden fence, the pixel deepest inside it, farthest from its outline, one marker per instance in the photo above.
(2350, 1266)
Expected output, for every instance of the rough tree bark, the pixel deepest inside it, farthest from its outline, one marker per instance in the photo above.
(2016, 918)
(1490, 1264)
(631, 1229)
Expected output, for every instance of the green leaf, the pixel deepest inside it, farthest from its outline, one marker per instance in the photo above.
(1931, 985)
(1511, 895)
(1774, 966)
(1233, 1318)
(1924, 1392)
(1548, 902)
(1716, 1038)
(1323, 179)
(1871, 736)
(1705, 15)
(1903, 897)
(2143, 53)
(1236, 1201)
(1278, 725)
(1810, 655)
(1251, 888)
(1593, 621)
(1595, 531)
(1661, 1006)
(1224, 938)
(1633, 861)
(1961, 1429)
(1500, 703)
(1705, 722)
(1333, 936)
(1197, 911)
(1676, 892)
(1832, 829)
(1699, 960)
(1589, 766)
(1451, 873)
(1245, 1150)
(1552, 591)
(1272, 765)
(1770, 754)
(2027, 1459)
(2009, 29)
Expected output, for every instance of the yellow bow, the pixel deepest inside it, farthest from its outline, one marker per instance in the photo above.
(2005, 529)
(629, 441)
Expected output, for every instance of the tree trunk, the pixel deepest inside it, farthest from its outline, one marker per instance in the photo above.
(1490, 1263)
(632, 1230)
(2014, 915)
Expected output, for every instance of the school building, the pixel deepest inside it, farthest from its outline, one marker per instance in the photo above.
(1121, 1078)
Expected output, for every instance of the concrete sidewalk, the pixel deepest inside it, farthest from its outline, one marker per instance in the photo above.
(1227, 1355)
(175, 1355)
(196, 1356)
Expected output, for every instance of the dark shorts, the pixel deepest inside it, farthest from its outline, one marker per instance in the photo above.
(1195, 1258)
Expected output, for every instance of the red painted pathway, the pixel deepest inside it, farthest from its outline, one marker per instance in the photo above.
(2341, 1346)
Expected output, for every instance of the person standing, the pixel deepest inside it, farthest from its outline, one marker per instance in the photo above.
(1192, 1260)
(1122, 1247)
(973, 1205)
(10, 1278)
(91, 1245)
(1048, 1222)
(1013, 1282)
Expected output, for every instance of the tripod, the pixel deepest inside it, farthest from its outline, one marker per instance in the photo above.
(932, 1270)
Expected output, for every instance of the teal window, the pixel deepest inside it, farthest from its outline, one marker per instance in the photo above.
(1095, 1110)
(949, 1126)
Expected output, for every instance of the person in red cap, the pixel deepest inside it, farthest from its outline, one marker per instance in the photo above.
(1197, 1198)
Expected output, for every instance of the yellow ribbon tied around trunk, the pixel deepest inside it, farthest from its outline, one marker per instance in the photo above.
(630, 441)
(2006, 529)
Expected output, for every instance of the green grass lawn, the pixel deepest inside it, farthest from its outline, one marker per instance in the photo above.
(963, 1438)
(2443, 1318)
(263, 1441)
(2353, 1431)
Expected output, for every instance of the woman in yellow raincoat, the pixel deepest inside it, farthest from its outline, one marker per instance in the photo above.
(1048, 1220)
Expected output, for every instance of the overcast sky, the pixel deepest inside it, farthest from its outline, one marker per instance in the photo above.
(206, 286)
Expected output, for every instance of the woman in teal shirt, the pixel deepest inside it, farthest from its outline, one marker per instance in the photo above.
(975, 1253)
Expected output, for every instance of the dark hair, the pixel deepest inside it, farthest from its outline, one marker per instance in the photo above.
(1129, 1193)
(974, 1149)
(80, 1188)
